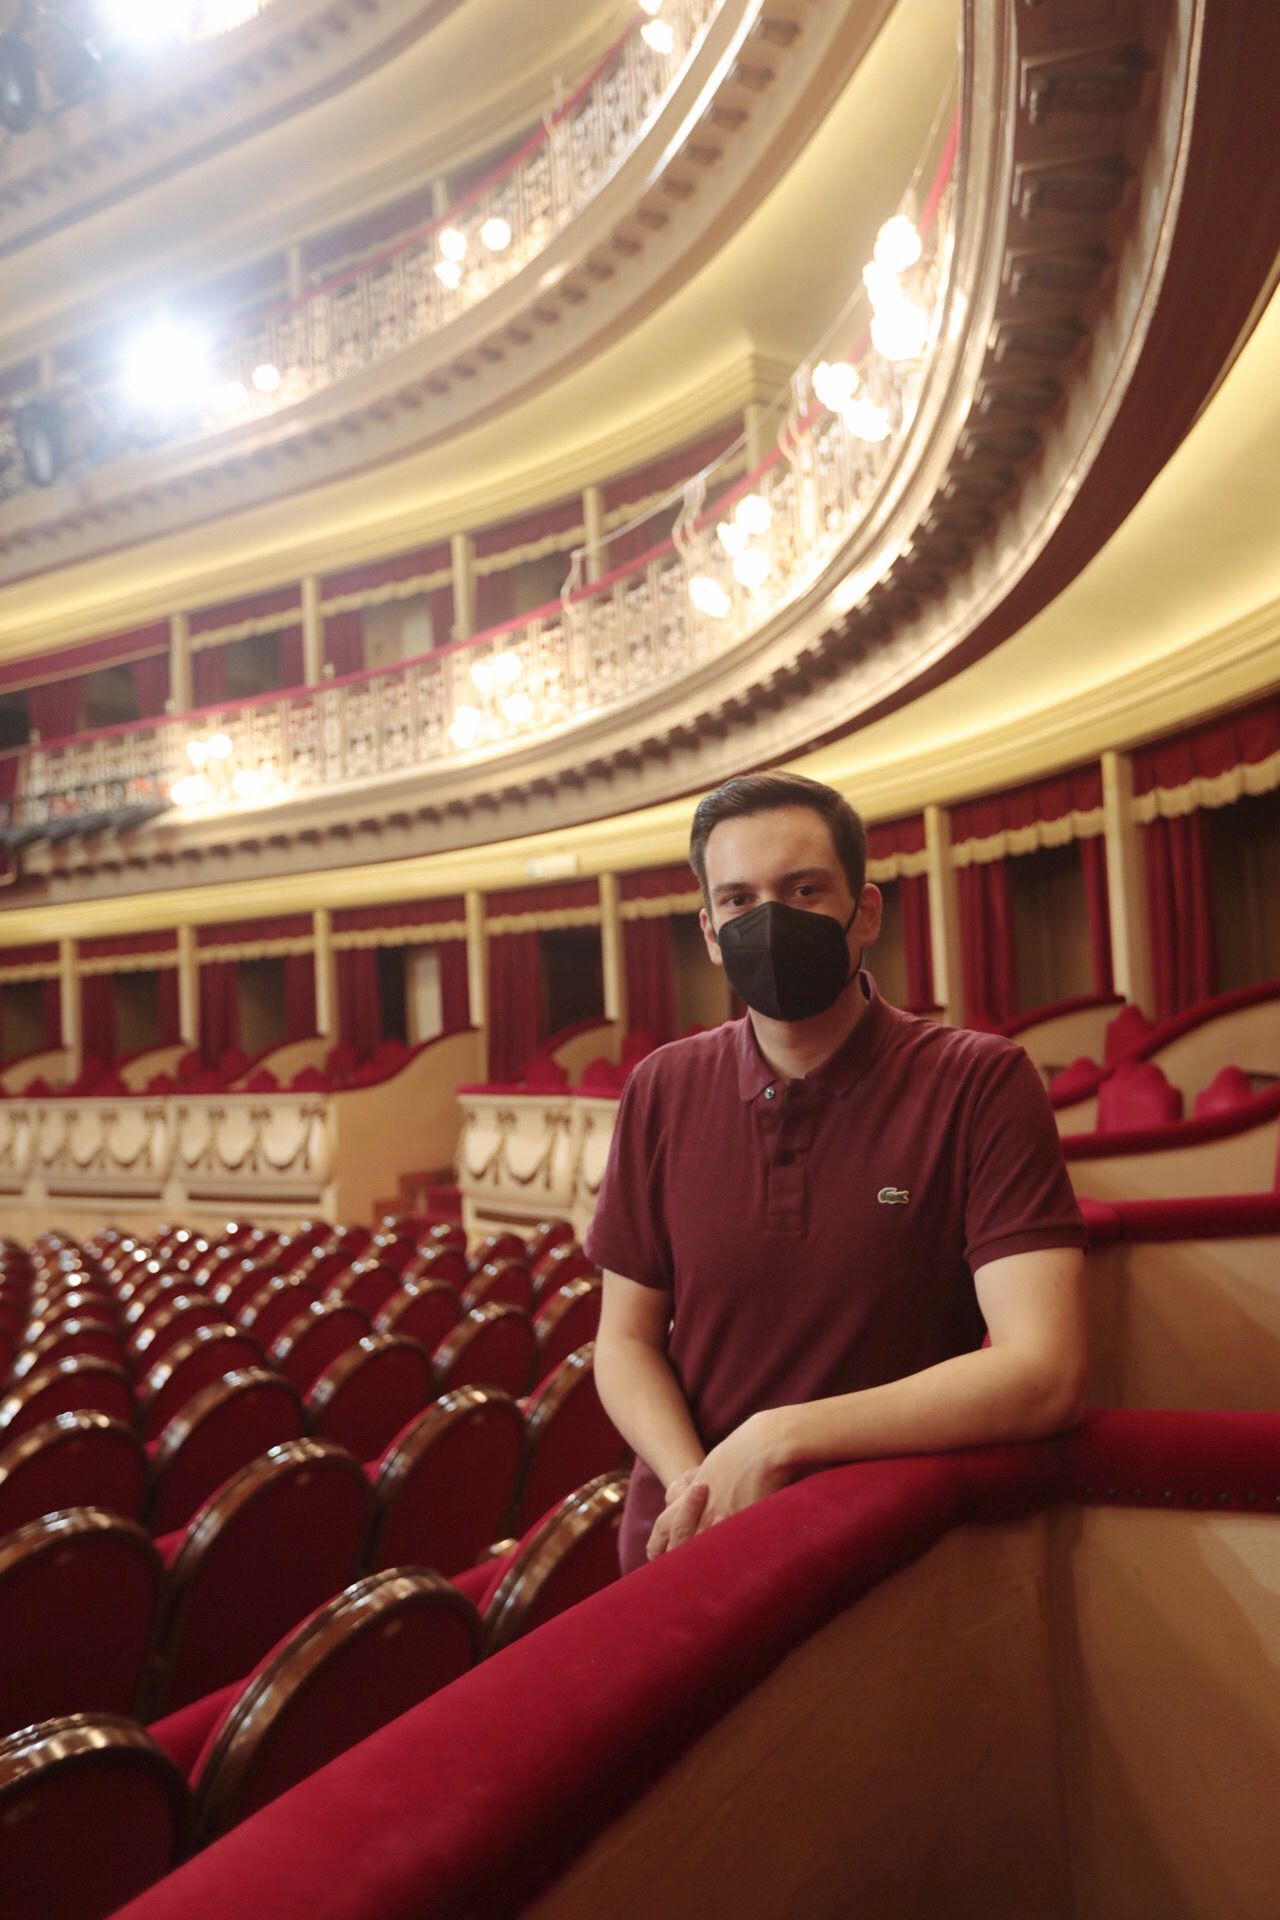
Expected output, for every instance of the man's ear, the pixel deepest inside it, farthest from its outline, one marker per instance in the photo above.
(870, 914)
(708, 934)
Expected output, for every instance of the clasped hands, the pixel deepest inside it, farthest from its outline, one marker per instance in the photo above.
(745, 1468)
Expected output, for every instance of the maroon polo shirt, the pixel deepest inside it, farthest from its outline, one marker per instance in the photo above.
(821, 1235)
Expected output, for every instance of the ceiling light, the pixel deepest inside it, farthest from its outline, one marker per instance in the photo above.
(709, 597)
(660, 35)
(452, 242)
(266, 378)
(751, 568)
(835, 382)
(898, 245)
(166, 369)
(732, 536)
(496, 233)
(900, 332)
(866, 421)
(464, 729)
(517, 709)
(449, 272)
(753, 513)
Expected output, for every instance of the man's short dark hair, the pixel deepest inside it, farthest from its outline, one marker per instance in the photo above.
(750, 793)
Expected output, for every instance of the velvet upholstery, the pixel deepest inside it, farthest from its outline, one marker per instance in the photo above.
(231, 1422)
(1214, 1217)
(1175, 1133)
(571, 1438)
(492, 1346)
(312, 1342)
(66, 1386)
(445, 1487)
(565, 1321)
(268, 1312)
(183, 1734)
(571, 1553)
(368, 1394)
(424, 1310)
(1230, 1090)
(195, 1362)
(1135, 1095)
(76, 1460)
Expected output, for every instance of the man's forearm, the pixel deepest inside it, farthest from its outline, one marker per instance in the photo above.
(974, 1399)
(642, 1397)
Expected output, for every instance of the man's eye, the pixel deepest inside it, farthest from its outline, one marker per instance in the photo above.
(807, 889)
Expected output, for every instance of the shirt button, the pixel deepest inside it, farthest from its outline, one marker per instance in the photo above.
(769, 1092)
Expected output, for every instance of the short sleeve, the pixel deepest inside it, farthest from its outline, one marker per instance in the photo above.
(1018, 1195)
(626, 1234)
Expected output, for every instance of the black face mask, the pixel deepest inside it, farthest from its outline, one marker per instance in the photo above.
(787, 963)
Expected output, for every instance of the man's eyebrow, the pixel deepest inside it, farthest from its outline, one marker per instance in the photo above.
(786, 880)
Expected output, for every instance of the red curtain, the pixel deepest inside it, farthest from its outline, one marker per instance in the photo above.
(649, 959)
(209, 676)
(52, 1009)
(1239, 739)
(53, 710)
(455, 997)
(219, 1010)
(85, 658)
(495, 599)
(1093, 863)
(289, 656)
(1179, 912)
(913, 897)
(515, 1003)
(986, 941)
(344, 642)
(359, 1007)
(150, 684)
(168, 1024)
(97, 1018)
(299, 996)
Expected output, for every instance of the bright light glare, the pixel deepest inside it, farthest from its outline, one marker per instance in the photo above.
(753, 513)
(482, 675)
(453, 243)
(900, 332)
(866, 421)
(197, 752)
(496, 233)
(650, 6)
(248, 782)
(507, 667)
(449, 272)
(882, 285)
(658, 34)
(167, 368)
(751, 568)
(835, 382)
(465, 727)
(266, 378)
(898, 245)
(229, 397)
(149, 22)
(191, 791)
(221, 746)
(708, 596)
(732, 536)
(517, 709)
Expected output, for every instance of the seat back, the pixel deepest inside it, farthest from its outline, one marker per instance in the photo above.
(361, 1660)
(66, 1386)
(282, 1536)
(74, 1460)
(510, 1281)
(92, 1812)
(1135, 1096)
(89, 1339)
(1127, 1030)
(222, 1428)
(570, 1439)
(1228, 1091)
(198, 1359)
(435, 1263)
(160, 1332)
(546, 1235)
(272, 1307)
(309, 1344)
(568, 1556)
(563, 1263)
(495, 1246)
(447, 1233)
(422, 1310)
(492, 1346)
(364, 1398)
(565, 1321)
(79, 1593)
(245, 1281)
(368, 1284)
(444, 1489)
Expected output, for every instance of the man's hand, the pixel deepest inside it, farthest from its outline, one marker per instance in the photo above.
(748, 1466)
(679, 1519)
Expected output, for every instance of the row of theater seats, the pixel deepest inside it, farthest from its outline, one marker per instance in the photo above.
(315, 1592)
(1137, 1095)
(192, 1073)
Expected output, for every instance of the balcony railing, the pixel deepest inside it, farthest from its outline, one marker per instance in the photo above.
(730, 569)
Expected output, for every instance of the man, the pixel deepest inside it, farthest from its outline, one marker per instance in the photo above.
(812, 1216)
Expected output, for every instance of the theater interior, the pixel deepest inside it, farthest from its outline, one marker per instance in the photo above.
(440, 440)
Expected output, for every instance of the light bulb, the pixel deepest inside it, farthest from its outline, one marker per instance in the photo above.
(197, 752)
(482, 675)
(166, 368)
(449, 272)
(517, 708)
(191, 791)
(866, 421)
(751, 568)
(496, 233)
(883, 288)
(266, 378)
(898, 245)
(452, 242)
(753, 513)
(900, 332)
(835, 382)
(660, 35)
(507, 667)
(732, 536)
(464, 729)
(708, 596)
(221, 745)
(248, 782)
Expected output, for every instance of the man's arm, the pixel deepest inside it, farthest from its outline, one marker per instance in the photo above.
(637, 1388)
(1028, 1383)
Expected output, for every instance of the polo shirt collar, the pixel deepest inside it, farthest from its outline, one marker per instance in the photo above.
(837, 1073)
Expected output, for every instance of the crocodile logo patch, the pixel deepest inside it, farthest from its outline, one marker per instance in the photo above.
(893, 1196)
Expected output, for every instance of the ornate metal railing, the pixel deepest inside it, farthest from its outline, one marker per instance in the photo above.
(729, 569)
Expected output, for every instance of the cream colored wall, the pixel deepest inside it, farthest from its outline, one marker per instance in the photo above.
(136, 1073)
(1185, 1323)
(1249, 1037)
(406, 1125)
(53, 1066)
(1242, 1163)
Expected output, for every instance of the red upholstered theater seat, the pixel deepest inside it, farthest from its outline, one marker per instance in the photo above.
(556, 1268)
(150, 1298)
(1137, 1095)
(388, 1642)
(503, 1280)
(570, 1439)
(66, 1386)
(160, 1332)
(367, 1284)
(495, 1246)
(448, 1233)
(68, 1339)
(367, 1394)
(492, 1347)
(1122, 1034)
(241, 1284)
(570, 1554)
(201, 1358)
(273, 1306)
(313, 1341)
(423, 1310)
(446, 1264)
(286, 1533)
(74, 1460)
(221, 1429)
(1228, 1092)
(391, 1247)
(565, 1321)
(444, 1489)
(92, 1812)
(1074, 1081)
(546, 1235)
(79, 1594)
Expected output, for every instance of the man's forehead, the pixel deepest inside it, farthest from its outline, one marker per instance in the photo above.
(755, 844)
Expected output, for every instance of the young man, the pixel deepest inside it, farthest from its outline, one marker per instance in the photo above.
(812, 1216)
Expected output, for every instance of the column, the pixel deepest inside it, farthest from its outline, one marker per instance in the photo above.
(188, 988)
(611, 954)
(760, 441)
(293, 271)
(312, 632)
(477, 960)
(593, 532)
(944, 915)
(462, 559)
(1130, 945)
(69, 1003)
(181, 696)
(326, 974)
